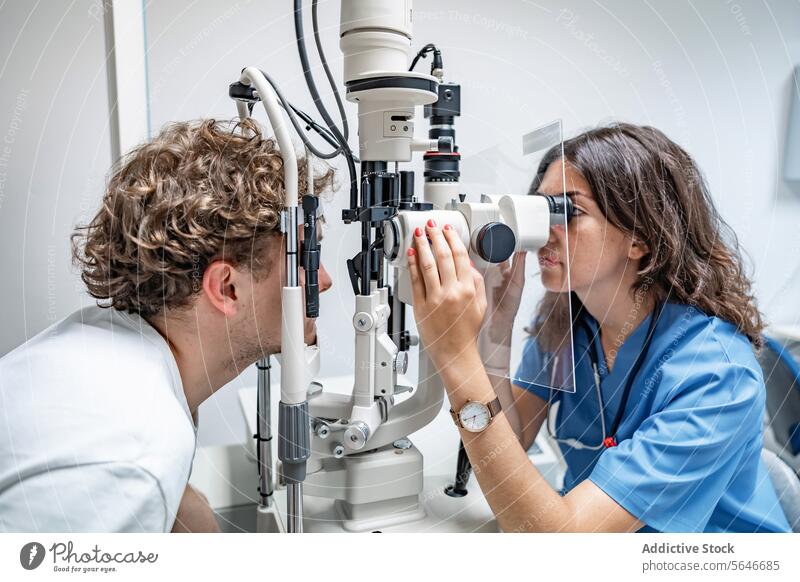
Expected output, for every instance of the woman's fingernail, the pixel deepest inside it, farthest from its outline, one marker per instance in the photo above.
(418, 231)
(447, 227)
(431, 222)
(411, 252)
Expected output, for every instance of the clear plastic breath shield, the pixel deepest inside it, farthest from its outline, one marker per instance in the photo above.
(527, 331)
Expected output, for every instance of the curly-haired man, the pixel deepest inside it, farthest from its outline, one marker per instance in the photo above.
(184, 258)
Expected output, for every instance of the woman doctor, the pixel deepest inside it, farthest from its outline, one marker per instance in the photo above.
(664, 431)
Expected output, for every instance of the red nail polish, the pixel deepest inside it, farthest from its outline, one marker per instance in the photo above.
(431, 223)
(447, 227)
(411, 252)
(418, 231)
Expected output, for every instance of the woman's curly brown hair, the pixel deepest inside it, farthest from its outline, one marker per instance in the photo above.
(651, 189)
(198, 192)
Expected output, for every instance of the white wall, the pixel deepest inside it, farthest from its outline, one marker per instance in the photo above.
(54, 153)
(714, 75)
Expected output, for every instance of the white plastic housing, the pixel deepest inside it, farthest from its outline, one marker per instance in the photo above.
(375, 36)
(295, 370)
(399, 236)
(529, 218)
(253, 76)
(375, 43)
(441, 194)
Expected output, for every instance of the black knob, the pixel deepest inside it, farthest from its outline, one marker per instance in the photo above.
(495, 242)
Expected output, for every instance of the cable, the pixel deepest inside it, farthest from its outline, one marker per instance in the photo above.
(310, 123)
(420, 55)
(291, 112)
(323, 132)
(312, 88)
(342, 114)
(423, 53)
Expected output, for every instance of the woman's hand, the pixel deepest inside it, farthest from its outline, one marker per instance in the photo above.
(449, 296)
(504, 284)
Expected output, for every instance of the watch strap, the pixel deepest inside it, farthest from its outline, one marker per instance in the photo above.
(495, 407)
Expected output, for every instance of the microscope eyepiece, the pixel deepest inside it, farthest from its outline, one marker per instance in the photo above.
(560, 206)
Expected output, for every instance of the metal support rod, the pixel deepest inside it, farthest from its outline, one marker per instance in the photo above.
(264, 432)
(294, 508)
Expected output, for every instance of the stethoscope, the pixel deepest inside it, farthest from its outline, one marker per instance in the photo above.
(609, 438)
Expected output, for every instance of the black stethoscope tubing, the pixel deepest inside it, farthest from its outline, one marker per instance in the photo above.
(629, 380)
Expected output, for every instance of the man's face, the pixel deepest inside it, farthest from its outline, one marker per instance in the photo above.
(261, 334)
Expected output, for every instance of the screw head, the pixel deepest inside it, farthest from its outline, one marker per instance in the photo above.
(402, 444)
(362, 321)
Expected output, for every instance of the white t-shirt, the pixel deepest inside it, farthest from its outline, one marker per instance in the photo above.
(95, 430)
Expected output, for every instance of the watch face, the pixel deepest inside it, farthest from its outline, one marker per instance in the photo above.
(474, 416)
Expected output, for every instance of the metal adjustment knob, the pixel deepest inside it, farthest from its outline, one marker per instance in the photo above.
(362, 321)
(338, 451)
(322, 430)
(356, 435)
(401, 362)
(495, 242)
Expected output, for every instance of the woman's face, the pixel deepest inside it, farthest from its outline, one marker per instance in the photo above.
(599, 253)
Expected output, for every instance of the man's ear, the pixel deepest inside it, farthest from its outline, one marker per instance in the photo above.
(219, 287)
(638, 250)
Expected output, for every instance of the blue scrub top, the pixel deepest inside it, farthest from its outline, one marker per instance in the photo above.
(689, 445)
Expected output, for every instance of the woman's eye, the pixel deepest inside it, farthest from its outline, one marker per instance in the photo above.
(577, 211)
